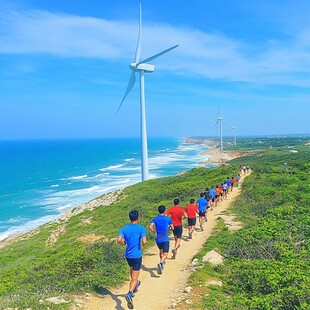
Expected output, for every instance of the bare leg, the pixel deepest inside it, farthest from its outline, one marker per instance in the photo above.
(163, 258)
(134, 274)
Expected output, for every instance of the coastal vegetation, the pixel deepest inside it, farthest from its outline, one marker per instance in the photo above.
(266, 263)
(33, 270)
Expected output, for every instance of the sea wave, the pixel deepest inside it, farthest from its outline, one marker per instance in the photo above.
(112, 167)
(78, 177)
(27, 226)
(79, 189)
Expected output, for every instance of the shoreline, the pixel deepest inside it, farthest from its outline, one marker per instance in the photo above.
(215, 155)
(215, 158)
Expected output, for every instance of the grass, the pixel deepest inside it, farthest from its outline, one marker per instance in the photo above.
(265, 263)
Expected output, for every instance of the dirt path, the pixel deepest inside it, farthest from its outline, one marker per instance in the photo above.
(156, 292)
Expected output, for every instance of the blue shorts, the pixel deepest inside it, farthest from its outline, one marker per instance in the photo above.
(191, 221)
(177, 232)
(164, 246)
(135, 263)
(202, 213)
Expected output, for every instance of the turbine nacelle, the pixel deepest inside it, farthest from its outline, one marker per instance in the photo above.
(142, 67)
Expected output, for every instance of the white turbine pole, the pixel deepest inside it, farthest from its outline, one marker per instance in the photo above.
(142, 67)
(144, 152)
(221, 137)
(235, 138)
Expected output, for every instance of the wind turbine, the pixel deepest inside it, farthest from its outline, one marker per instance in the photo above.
(234, 128)
(220, 120)
(142, 67)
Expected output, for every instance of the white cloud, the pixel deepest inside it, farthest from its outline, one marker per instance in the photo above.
(213, 56)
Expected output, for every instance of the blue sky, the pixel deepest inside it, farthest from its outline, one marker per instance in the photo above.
(64, 67)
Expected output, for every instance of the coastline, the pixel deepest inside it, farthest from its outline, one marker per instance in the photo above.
(215, 157)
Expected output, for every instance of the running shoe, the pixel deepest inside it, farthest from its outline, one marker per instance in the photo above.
(159, 269)
(128, 298)
(137, 286)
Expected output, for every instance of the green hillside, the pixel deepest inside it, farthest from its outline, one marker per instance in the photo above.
(266, 262)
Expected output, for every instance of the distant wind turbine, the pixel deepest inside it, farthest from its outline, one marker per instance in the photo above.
(142, 67)
(220, 120)
(234, 128)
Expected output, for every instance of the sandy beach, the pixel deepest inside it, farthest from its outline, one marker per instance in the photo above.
(215, 155)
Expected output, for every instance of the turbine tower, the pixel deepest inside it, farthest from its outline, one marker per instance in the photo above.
(234, 128)
(142, 66)
(220, 120)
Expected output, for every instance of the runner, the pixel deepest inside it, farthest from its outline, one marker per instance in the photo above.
(237, 179)
(176, 213)
(212, 194)
(247, 167)
(202, 204)
(224, 187)
(232, 181)
(221, 191)
(218, 191)
(132, 235)
(228, 182)
(162, 225)
(208, 197)
(191, 211)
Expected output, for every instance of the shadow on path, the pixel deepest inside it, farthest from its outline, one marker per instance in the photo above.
(116, 297)
(151, 271)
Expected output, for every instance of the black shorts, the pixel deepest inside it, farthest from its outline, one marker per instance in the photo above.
(163, 246)
(213, 199)
(202, 213)
(191, 221)
(221, 194)
(216, 196)
(178, 231)
(135, 263)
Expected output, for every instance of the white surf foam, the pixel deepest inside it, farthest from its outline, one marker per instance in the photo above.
(78, 177)
(27, 226)
(112, 167)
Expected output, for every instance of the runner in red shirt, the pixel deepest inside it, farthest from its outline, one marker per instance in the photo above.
(191, 211)
(176, 213)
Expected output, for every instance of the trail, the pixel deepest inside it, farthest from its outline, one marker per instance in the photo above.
(157, 291)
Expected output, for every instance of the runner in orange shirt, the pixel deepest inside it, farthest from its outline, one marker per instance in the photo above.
(218, 191)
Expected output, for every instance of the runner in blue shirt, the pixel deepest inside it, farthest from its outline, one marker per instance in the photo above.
(162, 225)
(132, 235)
(212, 194)
(228, 182)
(202, 209)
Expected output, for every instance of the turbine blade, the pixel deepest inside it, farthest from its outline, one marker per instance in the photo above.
(216, 123)
(218, 113)
(138, 48)
(157, 55)
(130, 85)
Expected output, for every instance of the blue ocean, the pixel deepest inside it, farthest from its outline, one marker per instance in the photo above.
(42, 179)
